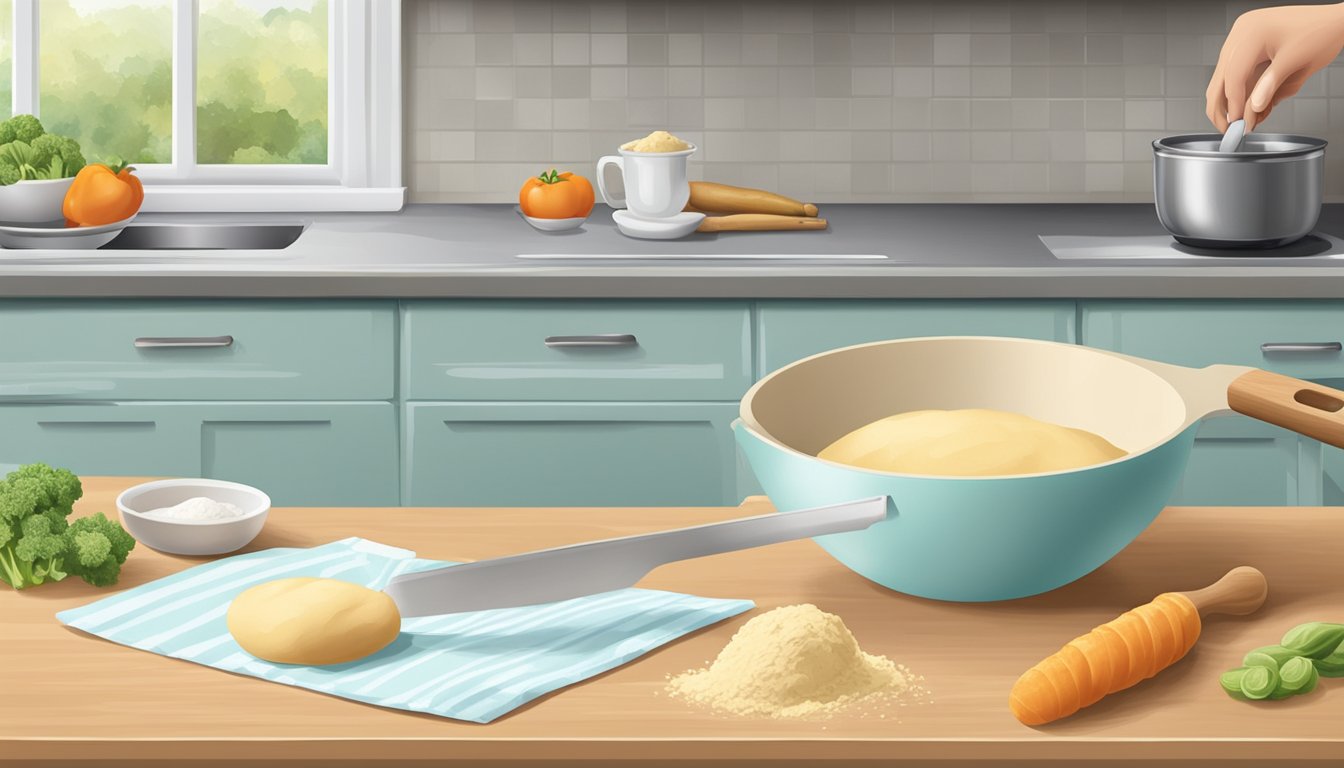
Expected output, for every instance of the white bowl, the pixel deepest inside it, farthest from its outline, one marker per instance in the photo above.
(193, 537)
(552, 225)
(57, 236)
(33, 202)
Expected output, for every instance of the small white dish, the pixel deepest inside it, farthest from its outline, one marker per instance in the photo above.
(55, 235)
(33, 201)
(552, 225)
(671, 228)
(192, 537)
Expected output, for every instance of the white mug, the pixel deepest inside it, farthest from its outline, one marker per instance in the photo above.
(655, 182)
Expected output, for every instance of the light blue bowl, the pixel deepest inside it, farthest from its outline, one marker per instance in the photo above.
(969, 539)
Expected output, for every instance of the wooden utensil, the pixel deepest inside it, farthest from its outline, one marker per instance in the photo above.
(708, 197)
(1130, 648)
(758, 222)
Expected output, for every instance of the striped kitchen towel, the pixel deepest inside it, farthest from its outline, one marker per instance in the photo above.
(469, 666)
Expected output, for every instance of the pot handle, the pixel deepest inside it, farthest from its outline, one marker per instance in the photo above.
(1308, 409)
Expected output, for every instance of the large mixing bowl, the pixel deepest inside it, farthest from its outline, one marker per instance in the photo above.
(1265, 195)
(997, 538)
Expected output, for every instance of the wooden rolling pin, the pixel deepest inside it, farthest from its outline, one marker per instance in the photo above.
(1130, 648)
(758, 222)
(708, 197)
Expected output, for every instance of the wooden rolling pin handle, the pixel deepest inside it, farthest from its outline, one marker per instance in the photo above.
(809, 209)
(1308, 409)
(1243, 590)
(758, 222)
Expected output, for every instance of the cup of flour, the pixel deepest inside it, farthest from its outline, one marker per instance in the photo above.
(193, 516)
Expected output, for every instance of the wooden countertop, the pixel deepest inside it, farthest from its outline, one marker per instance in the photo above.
(67, 696)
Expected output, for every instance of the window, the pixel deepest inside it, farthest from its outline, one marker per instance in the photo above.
(234, 105)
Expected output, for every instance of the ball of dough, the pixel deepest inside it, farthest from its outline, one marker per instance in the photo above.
(973, 441)
(312, 621)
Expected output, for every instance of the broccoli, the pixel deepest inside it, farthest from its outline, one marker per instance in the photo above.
(23, 128)
(28, 152)
(37, 544)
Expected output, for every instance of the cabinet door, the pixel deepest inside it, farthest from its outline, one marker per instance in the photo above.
(791, 330)
(301, 454)
(570, 454)
(1238, 461)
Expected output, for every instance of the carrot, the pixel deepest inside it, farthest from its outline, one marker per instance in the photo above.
(1130, 648)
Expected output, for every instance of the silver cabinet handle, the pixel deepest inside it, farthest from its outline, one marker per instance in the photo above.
(594, 340)
(183, 341)
(1301, 346)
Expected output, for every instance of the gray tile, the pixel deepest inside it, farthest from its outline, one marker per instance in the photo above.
(608, 49)
(1144, 49)
(447, 146)
(1030, 82)
(569, 16)
(451, 17)
(1067, 146)
(647, 50)
(950, 146)
(646, 113)
(951, 81)
(870, 146)
(684, 114)
(1143, 81)
(910, 146)
(760, 81)
(1030, 114)
(567, 147)
(873, 18)
(871, 114)
(1186, 115)
(608, 82)
(571, 82)
(992, 16)
(994, 82)
(531, 16)
(532, 83)
(760, 49)
(1138, 145)
(913, 17)
(607, 16)
(444, 50)
(685, 82)
(912, 178)
(647, 82)
(1067, 49)
(494, 115)
(728, 114)
(607, 112)
(494, 49)
(833, 81)
(871, 81)
(951, 17)
(684, 50)
(491, 16)
(494, 82)
(991, 49)
(1104, 146)
(991, 146)
(648, 16)
(795, 50)
(1031, 49)
(1104, 49)
(952, 178)
(532, 113)
(1104, 114)
(797, 113)
(1066, 177)
(1031, 146)
(830, 48)
(1187, 81)
(1009, 178)
(1067, 114)
(871, 178)
(532, 49)
(569, 48)
(723, 48)
(1184, 50)
(761, 113)
(992, 114)
(1067, 82)
(1104, 82)
(1104, 177)
(868, 49)
(913, 114)
(946, 114)
(723, 81)
(832, 114)
(569, 114)
(952, 49)
(912, 50)
(1145, 114)
(797, 81)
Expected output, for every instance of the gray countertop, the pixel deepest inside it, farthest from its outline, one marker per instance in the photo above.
(932, 251)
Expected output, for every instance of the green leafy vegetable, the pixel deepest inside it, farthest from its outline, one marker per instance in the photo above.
(1307, 653)
(1259, 682)
(1315, 640)
(28, 153)
(38, 544)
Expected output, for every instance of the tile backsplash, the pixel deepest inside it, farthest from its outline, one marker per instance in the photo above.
(839, 101)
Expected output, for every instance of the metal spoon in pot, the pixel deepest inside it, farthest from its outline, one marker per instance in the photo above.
(1236, 131)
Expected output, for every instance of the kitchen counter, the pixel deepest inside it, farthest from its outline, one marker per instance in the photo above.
(81, 698)
(932, 251)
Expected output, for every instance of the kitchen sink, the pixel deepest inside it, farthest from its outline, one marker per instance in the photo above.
(204, 237)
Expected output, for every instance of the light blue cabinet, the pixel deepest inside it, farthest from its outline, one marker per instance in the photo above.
(575, 350)
(313, 454)
(570, 454)
(1236, 460)
(791, 330)
(196, 350)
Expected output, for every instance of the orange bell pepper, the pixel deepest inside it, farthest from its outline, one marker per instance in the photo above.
(102, 195)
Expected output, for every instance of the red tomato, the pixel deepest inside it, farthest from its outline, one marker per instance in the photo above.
(556, 196)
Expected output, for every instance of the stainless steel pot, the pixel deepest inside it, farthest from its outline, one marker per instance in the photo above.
(1266, 194)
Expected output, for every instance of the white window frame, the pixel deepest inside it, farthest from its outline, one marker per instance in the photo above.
(363, 169)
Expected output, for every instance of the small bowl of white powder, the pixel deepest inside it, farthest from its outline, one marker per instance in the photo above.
(193, 516)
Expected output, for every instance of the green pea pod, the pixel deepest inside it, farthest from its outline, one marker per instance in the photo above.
(1259, 659)
(1276, 652)
(1298, 676)
(1316, 639)
(1332, 665)
(1231, 682)
(1259, 682)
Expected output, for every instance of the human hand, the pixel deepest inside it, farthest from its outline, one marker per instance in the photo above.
(1267, 56)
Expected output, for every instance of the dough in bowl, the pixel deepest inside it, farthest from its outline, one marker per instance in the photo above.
(312, 621)
(969, 442)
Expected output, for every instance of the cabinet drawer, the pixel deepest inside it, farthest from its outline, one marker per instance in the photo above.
(497, 350)
(1200, 333)
(570, 454)
(1238, 461)
(792, 330)
(309, 454)
(227, 350)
